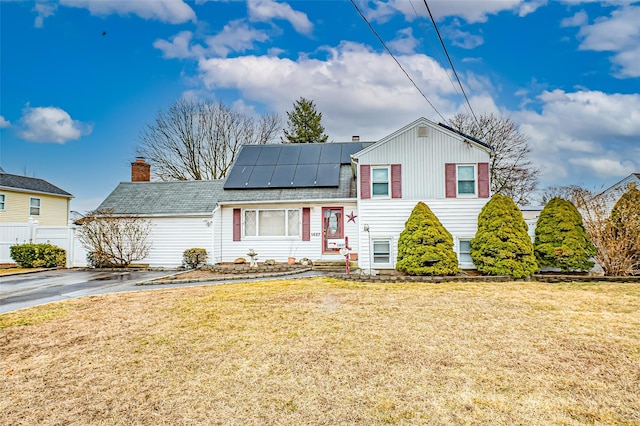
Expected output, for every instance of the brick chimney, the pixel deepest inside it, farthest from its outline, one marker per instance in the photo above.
(140, 171)
(355, 138)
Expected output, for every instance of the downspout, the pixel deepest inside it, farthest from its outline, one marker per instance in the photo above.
(213, 224)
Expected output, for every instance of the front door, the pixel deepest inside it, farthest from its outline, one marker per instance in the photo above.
(333, 229)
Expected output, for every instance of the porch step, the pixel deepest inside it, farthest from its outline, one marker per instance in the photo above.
(332, 265)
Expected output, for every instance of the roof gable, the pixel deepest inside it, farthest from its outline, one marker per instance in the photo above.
(29, 184)
(425, 122)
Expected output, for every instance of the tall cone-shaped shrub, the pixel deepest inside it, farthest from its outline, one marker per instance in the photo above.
(561, 240)
(501, 245)
(423, 240)
(623, 235)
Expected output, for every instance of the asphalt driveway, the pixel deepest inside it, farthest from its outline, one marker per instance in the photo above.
(25, 290)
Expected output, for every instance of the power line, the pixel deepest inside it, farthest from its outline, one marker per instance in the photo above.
(451, 63)
(437, 53)
(394, 58)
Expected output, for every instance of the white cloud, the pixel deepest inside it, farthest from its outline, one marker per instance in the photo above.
(583, 136)
(619, 33)
(50, 124)
(4, 122)
(461, 38)
(267, 10)
(170, 11)
(357, 90)
(470, 11)
(179, 46)
(577, 20)
(236, 36)
(405, 42)
(44, 10)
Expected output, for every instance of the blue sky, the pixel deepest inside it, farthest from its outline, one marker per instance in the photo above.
(80, 79)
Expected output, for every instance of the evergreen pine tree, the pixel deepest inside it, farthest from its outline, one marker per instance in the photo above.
(425, 239)
(304, 123)
(501, 245)
(561, 240)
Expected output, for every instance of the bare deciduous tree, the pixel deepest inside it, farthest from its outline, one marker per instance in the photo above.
(615, 233)
(512, 173)
(114, 240)
(200, 140)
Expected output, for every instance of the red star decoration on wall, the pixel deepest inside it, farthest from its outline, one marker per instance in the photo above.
(352, 217)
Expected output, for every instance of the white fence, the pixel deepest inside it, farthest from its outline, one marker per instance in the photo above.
(60, 236)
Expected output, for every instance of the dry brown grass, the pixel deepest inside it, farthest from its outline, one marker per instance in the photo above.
(323, 351)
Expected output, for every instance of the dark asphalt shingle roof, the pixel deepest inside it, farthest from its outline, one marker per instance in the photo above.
(178, 197)
(201, 196)
(30, 184)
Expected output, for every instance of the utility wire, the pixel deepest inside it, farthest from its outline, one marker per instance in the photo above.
(395, 59)
(437, 53)
(451, 63)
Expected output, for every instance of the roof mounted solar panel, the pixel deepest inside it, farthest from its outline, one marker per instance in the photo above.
(328, 175)
(330, 153)
(305, 176)
(268, 155)
(310, 153)
(349, 149)
(289, 154)
(248, 155)
(260, 177)
(238, 177)
(283, 176)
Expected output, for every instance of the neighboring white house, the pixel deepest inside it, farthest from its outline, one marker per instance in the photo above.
(615, 191)
(310, 200)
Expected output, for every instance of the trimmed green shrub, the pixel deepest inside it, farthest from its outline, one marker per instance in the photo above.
(38, 255)
(561, 240)
(424, 239)
(501, 245)
(194, 257)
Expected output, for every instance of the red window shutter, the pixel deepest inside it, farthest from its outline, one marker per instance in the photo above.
(483, 180)
(365, 181)
(237, 224)
(396, 181)
(306, 224)
(450, 179)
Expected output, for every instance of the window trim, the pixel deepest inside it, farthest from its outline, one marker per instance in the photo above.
(388, 181)
(286, 224)
(375, 264)
(31, 206)
(3, 202)
(475, 181)
(460, 252)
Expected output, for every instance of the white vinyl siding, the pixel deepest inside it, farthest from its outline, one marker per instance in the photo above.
(280, 248)
(423, 159)
(386, 220)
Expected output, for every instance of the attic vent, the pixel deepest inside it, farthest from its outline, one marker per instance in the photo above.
(423, 131)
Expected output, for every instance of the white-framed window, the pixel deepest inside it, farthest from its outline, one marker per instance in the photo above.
(466, 175)
(272, 223)
(34, 206)
(464, 250)
(381, 251)
(2, 202)
(379, 181)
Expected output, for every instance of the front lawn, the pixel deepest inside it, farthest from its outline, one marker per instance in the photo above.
(323, 351)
